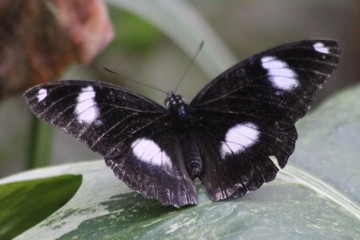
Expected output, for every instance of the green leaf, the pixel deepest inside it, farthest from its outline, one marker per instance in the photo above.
(134, 34)
(179, 21)
(330, 143)
(40, 144)
(315, 197)
(26, 203)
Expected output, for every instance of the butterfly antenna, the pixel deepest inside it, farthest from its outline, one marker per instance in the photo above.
(189, 66)
(131, 80)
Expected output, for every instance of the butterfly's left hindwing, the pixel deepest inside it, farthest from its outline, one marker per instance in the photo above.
(247, 114)
(131, 132)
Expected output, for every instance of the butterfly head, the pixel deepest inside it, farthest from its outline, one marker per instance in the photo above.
(174, 100)
(177, 108)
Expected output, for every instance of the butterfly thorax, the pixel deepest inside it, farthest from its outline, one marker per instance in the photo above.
(179, 111)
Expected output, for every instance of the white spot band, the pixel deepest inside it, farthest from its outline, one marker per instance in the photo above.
(320, 47)
(86, 109)
(42, 94)
(149, 152)
(239, 138)
(279, 73)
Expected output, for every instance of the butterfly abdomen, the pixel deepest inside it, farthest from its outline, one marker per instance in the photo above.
(191, 154)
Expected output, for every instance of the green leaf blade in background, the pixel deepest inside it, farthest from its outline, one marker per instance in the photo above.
(179, 21)
(26, 203)
(304, 202)
(39, 149)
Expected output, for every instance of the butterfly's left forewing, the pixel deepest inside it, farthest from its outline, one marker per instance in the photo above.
(247, 114)
(131, 132)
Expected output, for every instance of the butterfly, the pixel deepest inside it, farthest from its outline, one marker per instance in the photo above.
(234, 135)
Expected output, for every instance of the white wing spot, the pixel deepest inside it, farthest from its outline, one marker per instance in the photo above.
(149, 152)
(239, 138)
(42, 94)
(320, 47)
(86, 109)
(279, 73)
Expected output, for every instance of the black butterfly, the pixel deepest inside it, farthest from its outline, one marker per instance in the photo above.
(225, 136)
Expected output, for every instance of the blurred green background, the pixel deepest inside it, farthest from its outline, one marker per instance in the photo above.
(142, 50)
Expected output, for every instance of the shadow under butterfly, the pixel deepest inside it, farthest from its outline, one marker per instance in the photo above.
(225, 136)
